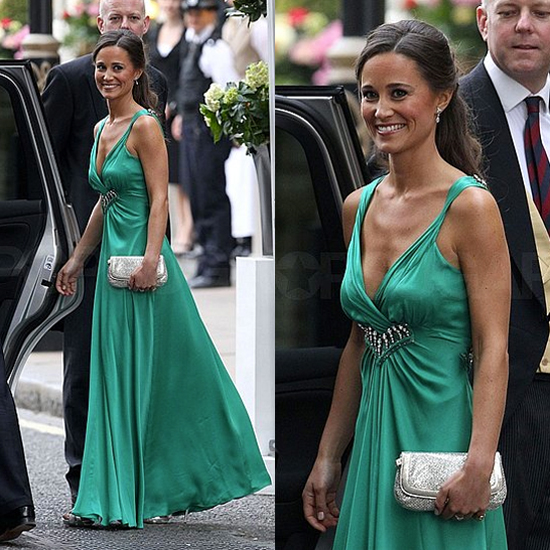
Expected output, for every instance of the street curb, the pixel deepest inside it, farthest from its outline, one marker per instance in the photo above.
(39, 397)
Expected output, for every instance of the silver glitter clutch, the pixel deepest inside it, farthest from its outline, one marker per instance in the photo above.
(419, 477)
(121, 267)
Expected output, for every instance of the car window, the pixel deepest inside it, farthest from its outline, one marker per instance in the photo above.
(308, 275)
(22, 200)
(19, 176)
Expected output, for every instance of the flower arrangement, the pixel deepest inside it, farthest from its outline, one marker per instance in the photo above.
(241, 110)
(81, 21)
(302, 38)
(12, 34)
(253, 9)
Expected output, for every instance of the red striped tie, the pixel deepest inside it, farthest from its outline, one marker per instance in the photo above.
(537, 160)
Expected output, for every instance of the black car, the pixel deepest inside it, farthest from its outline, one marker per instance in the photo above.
(38, 228)
(319, 161)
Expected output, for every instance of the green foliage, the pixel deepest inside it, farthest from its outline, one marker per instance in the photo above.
(14, 9)
(241, 111)
(254, 9)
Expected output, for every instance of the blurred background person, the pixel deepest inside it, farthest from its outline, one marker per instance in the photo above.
(206, 58)
(164, 42)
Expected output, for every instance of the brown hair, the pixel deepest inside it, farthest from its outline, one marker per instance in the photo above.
(430, 50)
(133, 46)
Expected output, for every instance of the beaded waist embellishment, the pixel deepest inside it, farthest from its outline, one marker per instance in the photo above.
(107, 199)
(383, 344)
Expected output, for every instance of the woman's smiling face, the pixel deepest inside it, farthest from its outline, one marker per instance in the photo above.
(397, 104)
(114, 72)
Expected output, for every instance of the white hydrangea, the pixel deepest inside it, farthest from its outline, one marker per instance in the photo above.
(257, 75)
(212, 97)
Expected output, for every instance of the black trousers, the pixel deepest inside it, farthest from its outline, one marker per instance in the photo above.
(203, 169)
(77, 339)
(525, 448)
(15, 490)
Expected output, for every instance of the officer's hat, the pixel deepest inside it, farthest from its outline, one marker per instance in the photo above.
(200, 5)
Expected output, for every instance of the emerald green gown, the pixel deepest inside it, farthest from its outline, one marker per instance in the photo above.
(416, 393)
(167, 430)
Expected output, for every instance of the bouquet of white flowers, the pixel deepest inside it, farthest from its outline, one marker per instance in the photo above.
(241, 110)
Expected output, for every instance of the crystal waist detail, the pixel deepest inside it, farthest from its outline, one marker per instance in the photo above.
(383, 344)
(107, 199)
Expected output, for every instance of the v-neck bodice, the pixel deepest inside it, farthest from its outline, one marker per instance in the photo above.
(417, 284)
(123, 193)
(120, 169)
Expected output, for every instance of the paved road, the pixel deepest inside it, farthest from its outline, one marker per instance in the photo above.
(245, 524)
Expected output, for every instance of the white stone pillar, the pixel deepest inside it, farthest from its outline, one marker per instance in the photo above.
(255, 349)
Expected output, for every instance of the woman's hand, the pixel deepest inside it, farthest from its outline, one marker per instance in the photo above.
(177, 127)
(319, 495)
(144, 278)
(464, 495)
(68, 276)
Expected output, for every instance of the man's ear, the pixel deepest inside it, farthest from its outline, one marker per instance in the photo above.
(481, 18)
(100, 24)
(146, 23)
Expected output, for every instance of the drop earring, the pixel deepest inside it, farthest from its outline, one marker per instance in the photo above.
(135, 82)
(438, 112)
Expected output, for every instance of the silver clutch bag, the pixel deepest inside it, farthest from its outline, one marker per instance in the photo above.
(121, 267)
(419, 477)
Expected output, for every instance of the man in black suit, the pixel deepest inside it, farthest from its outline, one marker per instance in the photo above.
(517, 34)
(16, 507)
(73, 106)
(205, 58)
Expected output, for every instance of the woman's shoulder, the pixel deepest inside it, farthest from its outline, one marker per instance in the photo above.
(147, 126)
(354, 198)
(146, 118)
(473, 200)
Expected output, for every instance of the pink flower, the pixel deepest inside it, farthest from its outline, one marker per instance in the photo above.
(93, 10)
(14, 41)
(5, 23)
(296, 16)
(313, 51)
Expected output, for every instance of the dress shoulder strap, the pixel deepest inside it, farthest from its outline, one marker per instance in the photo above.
(366, 195)
(459, 185)
(454, 191)
(137, 114)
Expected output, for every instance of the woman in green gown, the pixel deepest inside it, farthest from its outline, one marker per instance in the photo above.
(427, 287)
(167, 431)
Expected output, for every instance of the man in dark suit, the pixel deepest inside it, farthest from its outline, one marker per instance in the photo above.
(73, 106)
(205, 58)
(16, 507)
(517, 34)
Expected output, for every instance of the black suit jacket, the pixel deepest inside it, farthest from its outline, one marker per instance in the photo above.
(73, 106)
(528, 323)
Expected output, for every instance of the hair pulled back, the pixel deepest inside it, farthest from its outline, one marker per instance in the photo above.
(133, 45)
(430, 50)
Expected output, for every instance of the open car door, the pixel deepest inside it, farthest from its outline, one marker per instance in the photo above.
(38, 228)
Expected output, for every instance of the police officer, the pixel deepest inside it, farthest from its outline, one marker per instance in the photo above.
(205, 58)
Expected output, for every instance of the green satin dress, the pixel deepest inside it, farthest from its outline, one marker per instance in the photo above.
(416, 393)
(167, 430)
